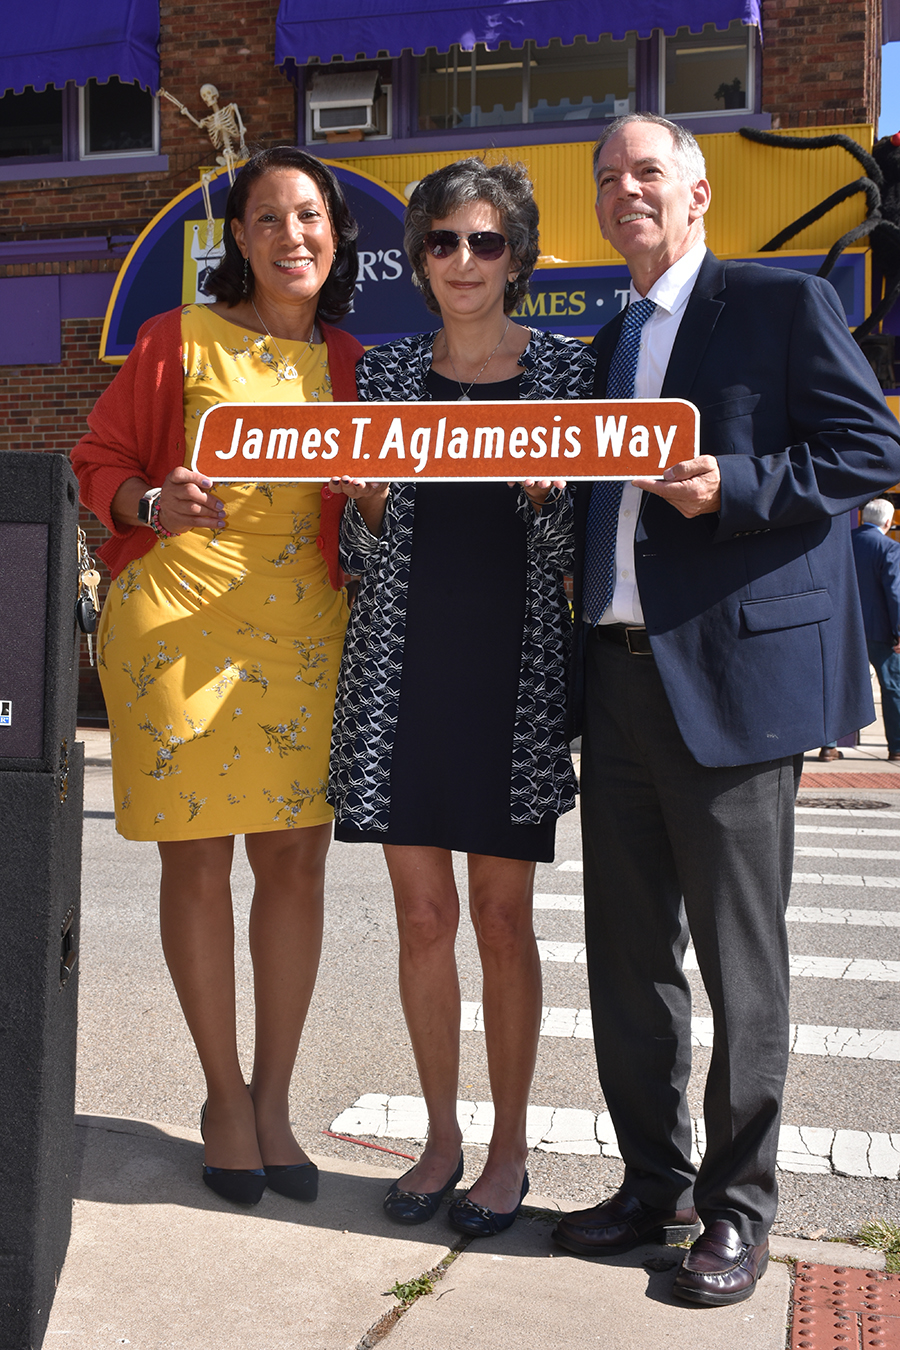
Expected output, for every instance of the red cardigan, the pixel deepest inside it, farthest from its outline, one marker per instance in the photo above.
(137, 431)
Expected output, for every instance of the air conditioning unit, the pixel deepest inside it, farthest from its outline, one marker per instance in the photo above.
(347, 101)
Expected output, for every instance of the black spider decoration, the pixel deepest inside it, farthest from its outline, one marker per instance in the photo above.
(880, 182)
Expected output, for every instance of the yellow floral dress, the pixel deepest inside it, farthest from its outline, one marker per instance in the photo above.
(219, 650)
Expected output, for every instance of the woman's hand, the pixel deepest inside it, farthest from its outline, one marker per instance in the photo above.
(537, 490)
(185, 502)
(358, 487)
(371, 498)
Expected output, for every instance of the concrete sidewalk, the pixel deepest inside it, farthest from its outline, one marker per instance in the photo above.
(157, 1261)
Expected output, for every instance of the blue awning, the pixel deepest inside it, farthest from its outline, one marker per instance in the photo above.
(890, 20)
(363, 28)
(53, 41)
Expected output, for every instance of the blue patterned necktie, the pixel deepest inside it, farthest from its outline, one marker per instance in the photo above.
(603, 511)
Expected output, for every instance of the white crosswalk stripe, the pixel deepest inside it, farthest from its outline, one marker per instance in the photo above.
(877, 854)
(839, 879)
(575, 902)
(801, 878)
(814, 967)
(860, 918)
(860, 831)
(549, 1129)
(832, 1042)
(837, 968)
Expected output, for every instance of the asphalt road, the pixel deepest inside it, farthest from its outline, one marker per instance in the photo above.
(136, 1059)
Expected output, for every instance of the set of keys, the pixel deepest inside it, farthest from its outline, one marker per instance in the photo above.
(87, 606)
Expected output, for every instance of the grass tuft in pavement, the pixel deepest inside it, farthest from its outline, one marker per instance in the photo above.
(407, 1293)
(883, 1236)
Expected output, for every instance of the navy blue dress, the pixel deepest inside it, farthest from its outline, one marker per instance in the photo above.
(452, 756)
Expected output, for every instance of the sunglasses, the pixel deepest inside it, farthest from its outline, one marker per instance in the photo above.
(484, 244)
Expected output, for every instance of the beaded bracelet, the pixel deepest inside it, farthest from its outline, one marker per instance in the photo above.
(156, 524)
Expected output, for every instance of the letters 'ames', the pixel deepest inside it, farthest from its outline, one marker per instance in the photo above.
(309, 442)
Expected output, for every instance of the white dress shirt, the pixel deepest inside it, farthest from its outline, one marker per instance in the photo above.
(671, 294)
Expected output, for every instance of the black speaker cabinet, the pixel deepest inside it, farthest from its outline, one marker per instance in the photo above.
(41, 794)
(38, 590)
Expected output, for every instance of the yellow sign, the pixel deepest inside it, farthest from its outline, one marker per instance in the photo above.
(202, 255)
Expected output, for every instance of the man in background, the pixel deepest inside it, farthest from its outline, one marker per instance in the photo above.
(877, 559)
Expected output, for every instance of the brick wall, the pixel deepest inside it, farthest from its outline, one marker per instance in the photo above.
(44, 407)
(821, 63)
(230, 45)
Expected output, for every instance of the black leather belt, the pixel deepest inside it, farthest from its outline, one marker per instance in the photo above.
(635, 640)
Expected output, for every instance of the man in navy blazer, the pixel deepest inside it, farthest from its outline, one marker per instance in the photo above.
(877, 559)
(731, 644)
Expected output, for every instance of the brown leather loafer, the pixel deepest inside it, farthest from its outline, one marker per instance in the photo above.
(621, 1223)
(720, 1268)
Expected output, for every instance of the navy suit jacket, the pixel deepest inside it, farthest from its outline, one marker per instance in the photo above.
(753, 612)
(877, 559)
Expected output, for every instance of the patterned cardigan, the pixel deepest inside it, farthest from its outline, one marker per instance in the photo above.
(368, 694)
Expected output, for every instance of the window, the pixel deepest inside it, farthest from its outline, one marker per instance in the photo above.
(116, 119)
(63, 124)
(708, 71)
(31, 125)
(586, 81)
(688, 75)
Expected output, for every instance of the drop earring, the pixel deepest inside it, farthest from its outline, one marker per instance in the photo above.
(246, 285)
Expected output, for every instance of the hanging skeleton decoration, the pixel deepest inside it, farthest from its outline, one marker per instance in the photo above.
(226, 131)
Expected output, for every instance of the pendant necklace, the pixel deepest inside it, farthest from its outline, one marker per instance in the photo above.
(464, 393)
(290, 371)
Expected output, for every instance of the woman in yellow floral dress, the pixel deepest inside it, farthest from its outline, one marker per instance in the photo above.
(220, 640)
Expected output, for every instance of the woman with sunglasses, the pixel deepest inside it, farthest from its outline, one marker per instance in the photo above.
(449, 718)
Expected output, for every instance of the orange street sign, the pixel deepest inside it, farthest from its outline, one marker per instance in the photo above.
(308, 442)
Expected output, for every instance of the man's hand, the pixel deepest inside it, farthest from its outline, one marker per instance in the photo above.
(693, 487)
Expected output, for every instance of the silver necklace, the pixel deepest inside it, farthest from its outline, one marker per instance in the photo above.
(464, 393)
(290, 371)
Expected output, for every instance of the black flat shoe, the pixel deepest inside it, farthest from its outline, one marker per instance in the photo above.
(415, 1207)
(240, 1185)
(298, 1181)
(477, 1221)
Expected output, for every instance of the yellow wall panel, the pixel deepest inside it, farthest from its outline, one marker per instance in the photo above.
(756, 190)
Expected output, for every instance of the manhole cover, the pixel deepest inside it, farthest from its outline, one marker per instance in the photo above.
(846, 804)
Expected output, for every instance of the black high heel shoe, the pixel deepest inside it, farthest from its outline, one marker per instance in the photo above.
(298, 1181)
(415, 1206)
(239, 1185)
(477, 1221)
